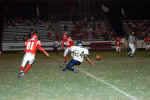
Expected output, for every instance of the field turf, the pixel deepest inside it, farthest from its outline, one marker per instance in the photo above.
(115, 77)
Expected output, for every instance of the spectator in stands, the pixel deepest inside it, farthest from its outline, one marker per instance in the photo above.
(90, 33)
(56, 45)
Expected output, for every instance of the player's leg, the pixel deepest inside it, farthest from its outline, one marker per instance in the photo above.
(23, 64)
(132, 47)
(118, 49)
(133, 50)
(65, 55)
(27, 68)
(70, 65)
(31, 60)
(146, 47)
(129, 50)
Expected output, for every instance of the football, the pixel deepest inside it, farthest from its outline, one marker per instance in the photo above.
(98, 57)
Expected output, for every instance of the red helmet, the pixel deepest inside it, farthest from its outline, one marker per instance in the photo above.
(34, 36)
(65, 33)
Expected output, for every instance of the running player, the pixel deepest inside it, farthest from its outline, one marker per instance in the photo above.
(131, 44)
(78, 54)
(66, 43)
(31, 46)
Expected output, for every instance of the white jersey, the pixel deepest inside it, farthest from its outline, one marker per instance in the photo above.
(132, 39)
(79, 52)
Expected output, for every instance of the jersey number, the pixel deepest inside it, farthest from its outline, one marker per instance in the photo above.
(78, 54)
(30, 45)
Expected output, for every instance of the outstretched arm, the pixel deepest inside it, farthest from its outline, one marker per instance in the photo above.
(43, 51)
(89, 60)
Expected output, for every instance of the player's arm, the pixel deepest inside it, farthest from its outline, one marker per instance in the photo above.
(42, 49)
(71, 44)
(25, 46)
(62, 44)
(89, 60)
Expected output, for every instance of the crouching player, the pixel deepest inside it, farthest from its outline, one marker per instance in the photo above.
(78, 54)
(31, 47)
(66, 43)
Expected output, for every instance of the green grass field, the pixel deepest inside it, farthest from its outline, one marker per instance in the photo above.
(113, 78)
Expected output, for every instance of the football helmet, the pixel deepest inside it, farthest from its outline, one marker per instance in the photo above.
(34, 36)
(79, 43)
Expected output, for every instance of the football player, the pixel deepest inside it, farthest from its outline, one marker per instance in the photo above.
(31, 46)
(78, 54)
(146, 42)
(131, 44)
(118, 45)
(66, 44)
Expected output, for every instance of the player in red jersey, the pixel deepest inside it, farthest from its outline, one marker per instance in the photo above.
(146, 42)
(66, 43)
(118, 45)
(31, 46)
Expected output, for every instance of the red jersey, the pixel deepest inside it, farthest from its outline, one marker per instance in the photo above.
(118, 42)
(67, 42)
(147, 40)
(32, 45)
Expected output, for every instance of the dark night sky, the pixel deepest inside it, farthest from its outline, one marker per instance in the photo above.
(133, 8)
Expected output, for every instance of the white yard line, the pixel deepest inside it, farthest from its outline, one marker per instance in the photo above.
(110, 85)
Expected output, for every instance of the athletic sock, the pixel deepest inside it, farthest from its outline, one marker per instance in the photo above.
(27, 68)
(66, 59)
(21, 68)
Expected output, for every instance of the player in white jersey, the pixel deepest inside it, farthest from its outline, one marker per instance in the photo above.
(131, 44)
(78, 54)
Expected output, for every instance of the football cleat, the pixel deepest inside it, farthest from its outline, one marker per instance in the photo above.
(20, 75)
(63, 70)
(79, 43)
(65, 62)
(76, 70)
(131, 55)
